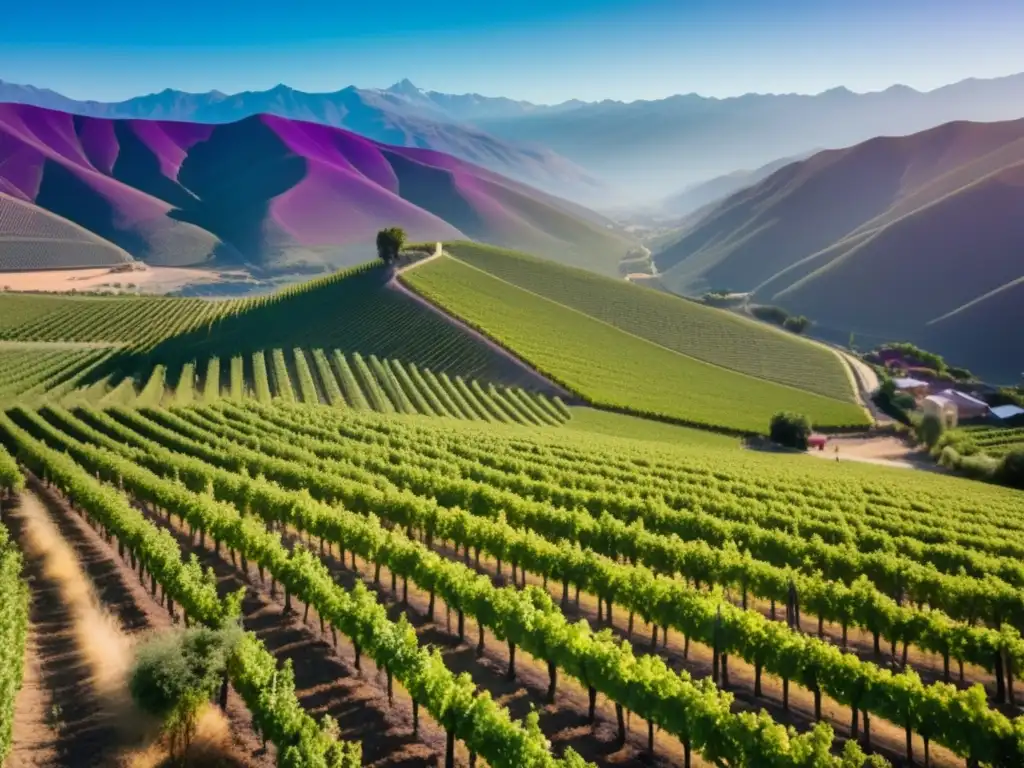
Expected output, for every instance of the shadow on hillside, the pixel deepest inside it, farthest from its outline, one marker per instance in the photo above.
(233, 176)
(354, 311)
(65, 193)
(139, 167)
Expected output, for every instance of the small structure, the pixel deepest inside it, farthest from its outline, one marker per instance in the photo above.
(1005, 414)
(967, 406)
(913, 387)
(942, 408)
(817, 441)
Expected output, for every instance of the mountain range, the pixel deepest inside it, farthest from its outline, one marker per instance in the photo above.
(596, 153)
(267, 192)
(916, 238)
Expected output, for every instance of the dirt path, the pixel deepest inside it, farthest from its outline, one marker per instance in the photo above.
(74, 732)
(880, 451)
(527, 373)
(60, 719)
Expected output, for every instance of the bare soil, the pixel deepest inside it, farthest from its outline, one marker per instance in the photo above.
(881, 451)
(326, 680)
(59, 720)
(147, 279)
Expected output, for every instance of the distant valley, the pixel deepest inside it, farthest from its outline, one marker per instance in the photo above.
(917, 238)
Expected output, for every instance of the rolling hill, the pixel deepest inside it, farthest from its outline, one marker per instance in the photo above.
(32, 238)
(916, 237)
(631, 357)
(599, 153)
(400, 115)
(270, 192)
(708, 334)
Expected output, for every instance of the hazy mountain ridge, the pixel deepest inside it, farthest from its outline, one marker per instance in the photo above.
(269, 192)
(384, 116)
(642, 150)
(917, 237)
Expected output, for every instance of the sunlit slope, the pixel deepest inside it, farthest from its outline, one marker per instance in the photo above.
(707, 334)
(611, 367)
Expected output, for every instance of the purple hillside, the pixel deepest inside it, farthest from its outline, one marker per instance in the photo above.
(267, 191)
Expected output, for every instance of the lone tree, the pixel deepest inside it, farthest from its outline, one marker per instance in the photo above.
(791, 430)
(930, 430)
(389, 244)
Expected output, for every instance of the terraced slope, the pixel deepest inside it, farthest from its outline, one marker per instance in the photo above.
(33, 238)
(610, 367)
(707, 334)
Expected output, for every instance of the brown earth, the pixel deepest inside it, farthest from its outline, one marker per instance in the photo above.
(58, 720)
(146, 279)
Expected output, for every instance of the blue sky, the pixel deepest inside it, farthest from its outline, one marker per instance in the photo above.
(541, 50)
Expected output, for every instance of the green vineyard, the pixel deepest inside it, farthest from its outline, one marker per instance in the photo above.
(306, 376)
(710, 335)
(426, 552)
(703, 542)
(610, 367)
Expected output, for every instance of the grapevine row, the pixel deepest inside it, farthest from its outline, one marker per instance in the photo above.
(697, 712)
(963, 597)
(300, 741)
(14, 601)
(954, 717)
(483, 725)
(858, 603)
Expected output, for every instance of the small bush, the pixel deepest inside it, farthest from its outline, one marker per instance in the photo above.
(174, 675)
(796, 324)
(1011, 470)
(930, 430)
(791, 430)
(770, 314)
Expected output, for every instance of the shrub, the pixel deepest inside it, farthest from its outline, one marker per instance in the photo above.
(796, 324)
(790, 429)
(1011, 470)
(770, 314)
(175, 675)
(930, 430)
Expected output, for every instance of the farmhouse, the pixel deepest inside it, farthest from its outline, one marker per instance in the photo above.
(967, 406)
(941, 408)
(911, 386)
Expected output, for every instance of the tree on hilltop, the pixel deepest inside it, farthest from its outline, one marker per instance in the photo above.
(389, 244)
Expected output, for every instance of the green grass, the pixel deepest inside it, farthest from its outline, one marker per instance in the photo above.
(613, 368)
(712, 335)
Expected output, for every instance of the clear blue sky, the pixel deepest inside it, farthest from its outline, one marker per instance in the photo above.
(541, 50)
